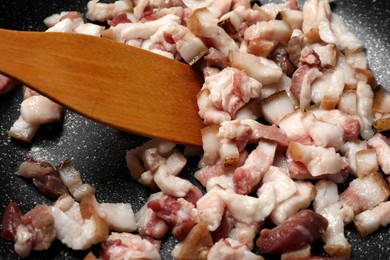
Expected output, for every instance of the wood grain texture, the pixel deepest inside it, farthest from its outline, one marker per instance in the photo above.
(112, 83)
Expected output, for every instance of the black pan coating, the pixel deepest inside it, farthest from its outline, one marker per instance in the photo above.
(98, 151)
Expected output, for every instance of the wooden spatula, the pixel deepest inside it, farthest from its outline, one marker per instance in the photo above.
(118, 85)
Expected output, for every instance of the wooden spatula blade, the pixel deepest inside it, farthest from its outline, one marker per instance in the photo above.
(122, 86)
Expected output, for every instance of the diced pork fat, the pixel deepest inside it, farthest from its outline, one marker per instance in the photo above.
(262, 69)
(365, 98)
(327, 89)
(67, 23)
(302, 79)
(296, 232)
(209, 172)
(193, 5)
(267, 132)
(89, 29)
(245, 233)
(229, 248)
(190, 47)
(38, 110)
(365, 193)
(369, 221)
(317, 160)
(148, 223)
(179, 213)
(35, 110)
(204, 23)
(211, 209)
(79, 226)
(285, 187)
(327, 54)
(72, 180)
(366, 162)
(382, 148)
(276, 106)
(301, 199)
(129, 246)
(31, 168)
(125, 32)
(52, 20)
(103, 11)
(248, 177)
(293, 17)
(119, 216)
(349, 150)
(272, 30)
(302, 253)
(270, 11)
(233, 137)
(225, 93)
(327, 204)
(346, 41)
(156, 166)
(248, 209)
(23, 131)
(317, 15)
(348, 102)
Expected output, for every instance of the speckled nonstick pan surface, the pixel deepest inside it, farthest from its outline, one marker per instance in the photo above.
(98, 152)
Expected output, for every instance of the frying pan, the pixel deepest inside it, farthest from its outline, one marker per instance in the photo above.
(98, 151)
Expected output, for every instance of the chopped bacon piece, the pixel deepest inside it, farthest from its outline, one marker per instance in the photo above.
(227, 92)
(301, 84)
(79, 226)
(365, 193)
(370, 220)
(211, 209)
(31, 168)
(148, 223)
(44, 176)
(327, 204)
(382, 148)
(317, 160)
(179, 213)
(297, 231)
(206, 173)
(72, 180)
(305, 193)
(247, 177)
